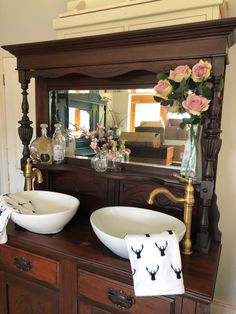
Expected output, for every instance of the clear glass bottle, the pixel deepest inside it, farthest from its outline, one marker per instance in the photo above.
(124, 152)
(58, 145)
(114, 159)
(69, 144)
(41, 147)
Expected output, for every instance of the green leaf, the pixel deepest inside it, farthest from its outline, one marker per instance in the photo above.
(182, 110)
(182, 124)
(173, 96)
(167, 102)
(220, 83)
(207, 92)
(191, 84)
(158, 99)
(196, 120)
(204, 89)
(184, 84)
(161, 76)
(182, 89)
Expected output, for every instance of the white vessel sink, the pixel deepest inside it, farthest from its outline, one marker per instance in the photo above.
(111, 224)
(50, 212)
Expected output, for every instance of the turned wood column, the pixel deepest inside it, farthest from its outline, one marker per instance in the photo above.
(25, 130)
(211, 146)
(54, 115)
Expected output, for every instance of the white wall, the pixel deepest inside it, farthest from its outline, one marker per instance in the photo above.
(226, 183)
(28, 20)
(17, 25)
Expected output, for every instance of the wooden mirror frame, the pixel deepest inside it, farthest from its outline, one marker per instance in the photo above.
(130, 59)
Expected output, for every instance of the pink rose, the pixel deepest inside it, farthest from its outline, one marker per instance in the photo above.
(201, 71)
(196, 104)
(182, 72)
(163, 89)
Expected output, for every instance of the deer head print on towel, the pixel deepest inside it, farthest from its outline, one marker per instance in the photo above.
(177, 271)
(162, 248)
(138, 251)
(153, 272)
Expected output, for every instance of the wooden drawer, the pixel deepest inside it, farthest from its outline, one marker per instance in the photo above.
(32, 265)
(117, 295)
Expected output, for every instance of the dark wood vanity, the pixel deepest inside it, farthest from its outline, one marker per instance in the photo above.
(72, 272)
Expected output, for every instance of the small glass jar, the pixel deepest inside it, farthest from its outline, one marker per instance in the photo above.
(114, 161)
(99, 162)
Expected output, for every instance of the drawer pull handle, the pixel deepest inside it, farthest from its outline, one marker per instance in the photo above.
(22, 263)
(120, 298)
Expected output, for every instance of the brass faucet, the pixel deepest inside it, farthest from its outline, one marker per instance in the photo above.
(188, 201)
(30, 174)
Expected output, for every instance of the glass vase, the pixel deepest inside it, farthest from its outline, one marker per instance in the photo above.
(191, 166)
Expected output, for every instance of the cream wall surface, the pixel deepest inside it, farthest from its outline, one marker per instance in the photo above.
(30, 20)
(226, 183)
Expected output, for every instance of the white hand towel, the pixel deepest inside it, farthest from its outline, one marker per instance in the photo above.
(5, 214)
(156, 264)
(24, 206)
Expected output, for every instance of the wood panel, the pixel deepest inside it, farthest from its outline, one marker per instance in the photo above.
(68, 287)
(97, 288)
(29, 264)
(29, 298)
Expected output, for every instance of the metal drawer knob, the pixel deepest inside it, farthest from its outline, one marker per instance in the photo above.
(22, 263)
(120, 298)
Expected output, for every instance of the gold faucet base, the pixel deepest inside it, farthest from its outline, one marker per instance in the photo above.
(188, 201)
(31, 174)
(186, 252)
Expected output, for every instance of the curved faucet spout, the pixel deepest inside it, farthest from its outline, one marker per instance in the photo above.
(31, 174)
(38, 175)
(165, 192)
(188, 201)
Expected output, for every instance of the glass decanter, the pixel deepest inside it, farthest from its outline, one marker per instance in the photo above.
(41, 147)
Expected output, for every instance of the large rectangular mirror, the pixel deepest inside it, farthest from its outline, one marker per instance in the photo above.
(129, 116)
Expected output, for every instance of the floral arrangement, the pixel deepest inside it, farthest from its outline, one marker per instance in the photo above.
(186, 90)
(100, 139)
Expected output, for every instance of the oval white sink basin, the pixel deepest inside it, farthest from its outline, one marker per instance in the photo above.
(43, 211)
(111, 224)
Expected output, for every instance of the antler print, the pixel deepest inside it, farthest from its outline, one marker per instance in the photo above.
(162, 248)
(153, 273)
(177, 272)
(138, 252)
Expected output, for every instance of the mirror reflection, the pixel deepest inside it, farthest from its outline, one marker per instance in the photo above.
(119, 119)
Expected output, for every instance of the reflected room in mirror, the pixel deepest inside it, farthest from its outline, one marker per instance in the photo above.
(129, 117)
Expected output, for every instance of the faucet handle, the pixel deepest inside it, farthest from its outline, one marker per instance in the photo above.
(183, 179)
